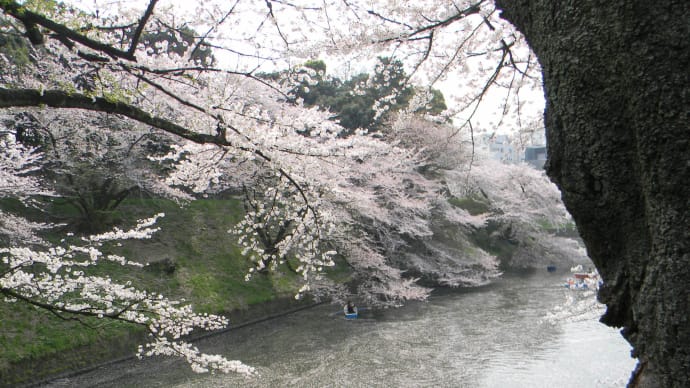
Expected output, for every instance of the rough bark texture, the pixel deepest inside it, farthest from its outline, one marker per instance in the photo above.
(617, 81)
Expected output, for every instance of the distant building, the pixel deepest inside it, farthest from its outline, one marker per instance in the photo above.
(501, 149)
(513, 149)
(536, 156)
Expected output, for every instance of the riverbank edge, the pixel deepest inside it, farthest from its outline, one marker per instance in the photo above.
(39, 372)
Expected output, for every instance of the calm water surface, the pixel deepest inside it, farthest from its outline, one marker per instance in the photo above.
(518, 332)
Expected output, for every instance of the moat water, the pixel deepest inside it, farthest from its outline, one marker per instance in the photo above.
(525, 331)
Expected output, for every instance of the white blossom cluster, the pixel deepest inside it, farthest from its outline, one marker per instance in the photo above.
(382, 283)
(199, 362)
(395, 204)
(18, 229)
(278, 226)
(62, 280)
(520, 192)
(17, 163)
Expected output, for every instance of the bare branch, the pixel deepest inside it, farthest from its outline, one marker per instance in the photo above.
(140, 28)
(471, 10)
(275, 22)
(388, 20)
(426, 54)
(203, 38)
(60, 99)
(200, 69)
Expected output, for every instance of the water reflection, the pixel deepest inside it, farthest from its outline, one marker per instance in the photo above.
(490, 337)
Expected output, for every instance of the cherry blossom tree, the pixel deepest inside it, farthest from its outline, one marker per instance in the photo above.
(18, 163)
(312, 194)
(94, 163)
(511, 202)
(524, 207)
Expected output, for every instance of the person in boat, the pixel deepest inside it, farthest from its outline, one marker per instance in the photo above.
(350, 308)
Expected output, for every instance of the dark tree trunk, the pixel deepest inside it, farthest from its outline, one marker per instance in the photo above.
(617, 81)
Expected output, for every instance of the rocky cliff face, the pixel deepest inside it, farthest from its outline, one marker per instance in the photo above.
(617, 81)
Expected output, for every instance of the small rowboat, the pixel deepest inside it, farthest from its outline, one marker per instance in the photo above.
(351, 312)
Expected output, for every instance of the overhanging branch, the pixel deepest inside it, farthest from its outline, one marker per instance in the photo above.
(10, 98)
(31, 19)
(59, 310)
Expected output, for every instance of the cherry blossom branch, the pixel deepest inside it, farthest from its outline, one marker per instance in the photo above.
(471, 10)
(477, 99)
(55, 309)
(389, 20)
(179, 71)
(275, 22)
(54, 280)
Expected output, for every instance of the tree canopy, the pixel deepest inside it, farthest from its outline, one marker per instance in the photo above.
(188, 103)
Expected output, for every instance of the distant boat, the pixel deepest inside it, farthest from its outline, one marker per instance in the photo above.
(350, 311)
(351, 315)
(582, 280)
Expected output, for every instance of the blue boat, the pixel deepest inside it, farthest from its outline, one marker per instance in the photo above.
(350, 311)
(351, 315)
